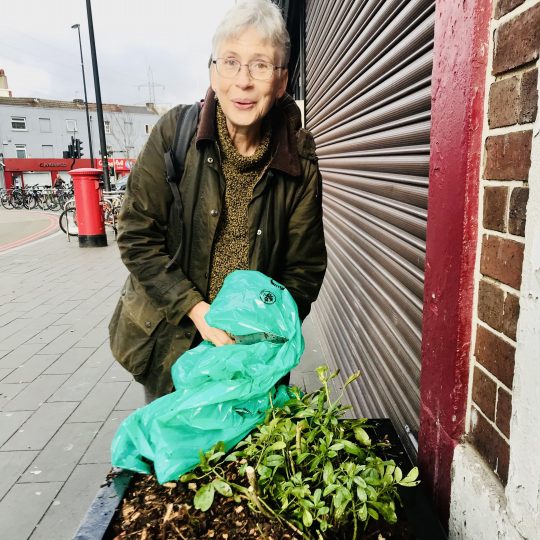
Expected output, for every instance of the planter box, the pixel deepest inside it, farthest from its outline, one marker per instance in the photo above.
(417, 507)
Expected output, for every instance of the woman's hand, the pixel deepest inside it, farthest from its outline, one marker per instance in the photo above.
(209, 333)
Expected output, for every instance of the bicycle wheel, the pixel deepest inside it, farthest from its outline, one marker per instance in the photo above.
(29, 201)
(4, 200)
(68, 222)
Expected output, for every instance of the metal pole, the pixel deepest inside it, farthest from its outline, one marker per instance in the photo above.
(78, 27)
(99, 108)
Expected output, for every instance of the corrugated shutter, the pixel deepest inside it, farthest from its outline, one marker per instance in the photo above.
(368, 74)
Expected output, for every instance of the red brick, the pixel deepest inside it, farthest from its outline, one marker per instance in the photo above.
(517, 214)
(491, 304)
(502, 259)
(495, 208)
(484, 393)
(528, 97)
(517, 42)
(495, 355)
(491, 446)
(505, 6)
(504, 411)
(508, 157)
(510, 316)
(503, 108)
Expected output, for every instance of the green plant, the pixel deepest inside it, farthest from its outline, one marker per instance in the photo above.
(309, 467)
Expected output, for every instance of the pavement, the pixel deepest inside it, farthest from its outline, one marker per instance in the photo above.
(62, 396)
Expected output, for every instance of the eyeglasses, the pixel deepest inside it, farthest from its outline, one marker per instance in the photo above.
(258, 69)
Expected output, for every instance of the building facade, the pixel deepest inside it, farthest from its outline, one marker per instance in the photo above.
(38, 128)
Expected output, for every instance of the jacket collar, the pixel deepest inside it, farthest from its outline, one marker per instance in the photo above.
(286, 121)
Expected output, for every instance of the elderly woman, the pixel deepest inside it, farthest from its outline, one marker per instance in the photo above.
(251, 194)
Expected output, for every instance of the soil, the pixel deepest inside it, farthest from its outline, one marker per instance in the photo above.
(150, 511)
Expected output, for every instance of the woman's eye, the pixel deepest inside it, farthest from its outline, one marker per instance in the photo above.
(230, 62)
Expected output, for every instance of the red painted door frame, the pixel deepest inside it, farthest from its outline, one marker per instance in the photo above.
(458, 83)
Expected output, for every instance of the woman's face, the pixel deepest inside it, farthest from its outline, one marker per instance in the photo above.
(246, 101)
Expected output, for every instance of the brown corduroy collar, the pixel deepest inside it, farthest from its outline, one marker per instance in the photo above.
(285, 118)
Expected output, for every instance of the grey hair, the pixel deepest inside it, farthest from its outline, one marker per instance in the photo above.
(264, 16)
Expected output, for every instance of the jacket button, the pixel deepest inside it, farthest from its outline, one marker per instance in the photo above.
(124, 292)
(259, 232)
(188, 334)
(148, 324)
(210, 160)
(213, 212)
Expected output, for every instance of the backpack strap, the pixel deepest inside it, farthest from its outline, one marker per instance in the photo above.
(175, 159)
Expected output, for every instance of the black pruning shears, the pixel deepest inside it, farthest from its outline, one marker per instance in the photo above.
(257, 337)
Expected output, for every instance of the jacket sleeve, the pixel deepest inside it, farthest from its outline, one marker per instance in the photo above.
(142, 228)
(305, 261)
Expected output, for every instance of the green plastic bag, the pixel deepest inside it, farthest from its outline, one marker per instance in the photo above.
(221, 393)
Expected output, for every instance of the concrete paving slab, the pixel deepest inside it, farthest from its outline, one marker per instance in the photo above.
(117, 373)
(35, 393)
(10, 422)
(50, 333)
(8, 392)
(99, 403)
(64, 515)
(77, 386)
(12, 465)
(70, 361)
(133, 398)
(23, 507)
(57, 461)
(100, 449)
(17, 357)
(4, 372)
(36, 432)
(31, 369)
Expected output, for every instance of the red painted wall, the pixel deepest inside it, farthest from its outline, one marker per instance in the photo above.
(459, 71)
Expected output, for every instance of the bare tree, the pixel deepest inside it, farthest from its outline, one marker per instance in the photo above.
(122, 131)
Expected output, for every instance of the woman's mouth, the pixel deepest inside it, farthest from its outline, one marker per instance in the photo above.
(243, 104)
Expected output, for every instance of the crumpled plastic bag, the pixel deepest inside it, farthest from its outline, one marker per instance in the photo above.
(221, 393)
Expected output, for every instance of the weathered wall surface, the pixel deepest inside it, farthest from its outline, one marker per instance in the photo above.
(496, 472)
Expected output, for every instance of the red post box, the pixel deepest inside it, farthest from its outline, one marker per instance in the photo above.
(90, 220)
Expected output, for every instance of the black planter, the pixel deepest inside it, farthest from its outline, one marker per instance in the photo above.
(96, 524)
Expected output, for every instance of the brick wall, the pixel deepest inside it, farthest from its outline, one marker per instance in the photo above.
(512, 109)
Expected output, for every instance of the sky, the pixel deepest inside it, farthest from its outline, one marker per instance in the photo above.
(168, 41)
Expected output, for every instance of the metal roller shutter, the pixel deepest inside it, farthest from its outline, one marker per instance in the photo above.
(368, 75)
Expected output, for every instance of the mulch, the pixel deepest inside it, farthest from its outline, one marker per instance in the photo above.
(150, 511)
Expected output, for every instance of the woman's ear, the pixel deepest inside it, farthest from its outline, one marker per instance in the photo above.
(283, 80)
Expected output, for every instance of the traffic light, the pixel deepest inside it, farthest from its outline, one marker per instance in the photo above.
(78, 148)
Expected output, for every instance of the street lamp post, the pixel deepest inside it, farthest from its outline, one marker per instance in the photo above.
(78, 27)
(102, 141)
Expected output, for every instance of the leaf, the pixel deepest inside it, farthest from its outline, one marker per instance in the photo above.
(351, 379)
(204, 497)
(264, 471)
(363, 513)
(337, 446)
(328, 472)
(317, 495)
(361, 436)
(216, 456)
(329, 489)
(373, 513)
(412, 476)
(274, 460)
(279, 445)
(222, 487)
(187, 477)
(307, 518)
(361, 494)
(322, 372)
(398, 474)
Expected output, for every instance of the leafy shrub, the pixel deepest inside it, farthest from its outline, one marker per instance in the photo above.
(308, 467)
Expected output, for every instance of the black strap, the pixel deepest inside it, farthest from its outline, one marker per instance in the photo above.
(175, 159)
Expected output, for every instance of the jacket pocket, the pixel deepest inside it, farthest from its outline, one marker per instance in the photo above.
(132, 331)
